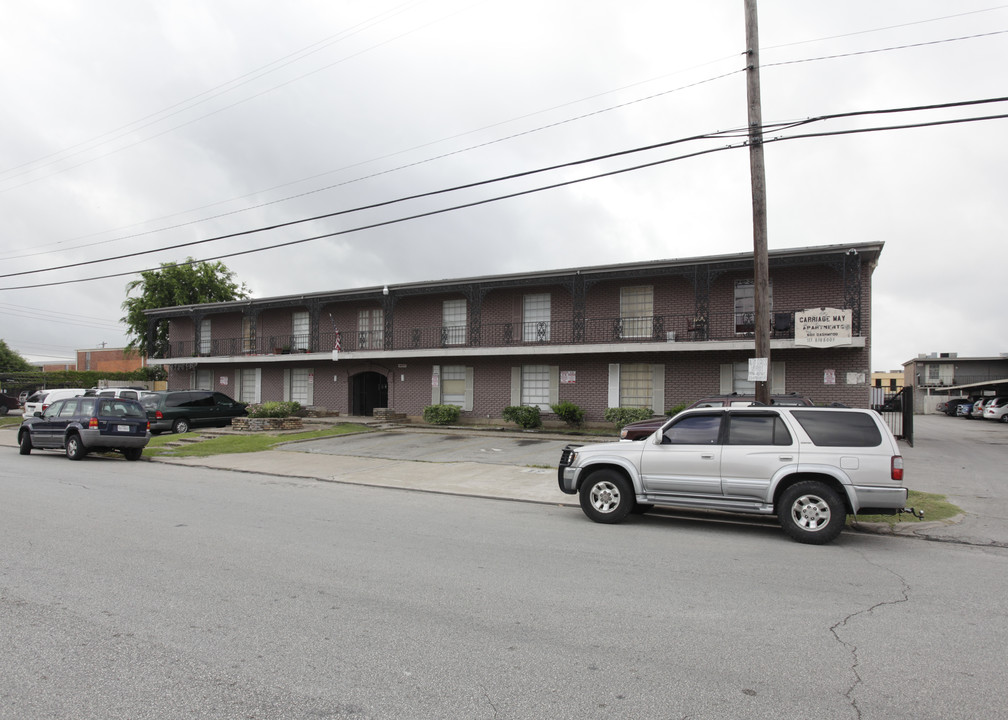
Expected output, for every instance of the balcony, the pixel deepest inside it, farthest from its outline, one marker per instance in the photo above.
(717, 327)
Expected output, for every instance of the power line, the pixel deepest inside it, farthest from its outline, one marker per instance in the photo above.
(530, 191)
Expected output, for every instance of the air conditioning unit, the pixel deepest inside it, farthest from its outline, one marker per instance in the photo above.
(670, 336)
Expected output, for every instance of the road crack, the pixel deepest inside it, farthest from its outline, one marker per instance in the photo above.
(851, 648)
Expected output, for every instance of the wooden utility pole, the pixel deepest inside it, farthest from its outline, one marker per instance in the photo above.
(761, 280)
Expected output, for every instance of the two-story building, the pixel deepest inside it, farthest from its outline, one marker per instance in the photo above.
(647, 334)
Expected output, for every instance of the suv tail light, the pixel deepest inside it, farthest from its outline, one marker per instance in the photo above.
(92, 423)
(897, 468)
(158, 415)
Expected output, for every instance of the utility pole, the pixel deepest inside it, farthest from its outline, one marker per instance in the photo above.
(761, 272)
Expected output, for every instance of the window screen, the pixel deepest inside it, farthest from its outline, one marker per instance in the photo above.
(453, 322)
(536, 318)
(535, 385)
(453, 385)
(299, 385)
(635, 385)
(636, 310)
(299, 330)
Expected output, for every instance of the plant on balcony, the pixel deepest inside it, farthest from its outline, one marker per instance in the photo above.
(620, 416)
(441, 414)
(526, 416)
(274, 409)
(569, 413)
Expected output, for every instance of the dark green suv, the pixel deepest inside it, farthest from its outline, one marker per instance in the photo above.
(79, 425)
(182, 410)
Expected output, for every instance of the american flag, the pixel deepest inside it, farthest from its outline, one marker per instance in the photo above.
(337, 348)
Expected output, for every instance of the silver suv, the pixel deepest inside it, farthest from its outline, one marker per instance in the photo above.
(808, 466)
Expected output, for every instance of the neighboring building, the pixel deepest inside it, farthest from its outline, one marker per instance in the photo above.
(649, 334)
(57, 367)
(890, 382)
(110, 360)
(938, 376)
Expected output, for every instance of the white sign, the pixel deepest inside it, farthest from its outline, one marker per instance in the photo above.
(757, 369)
(823, 327)
(568, 377)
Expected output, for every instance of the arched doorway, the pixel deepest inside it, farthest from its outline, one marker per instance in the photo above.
(368, 390)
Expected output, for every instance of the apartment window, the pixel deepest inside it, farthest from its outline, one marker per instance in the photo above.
(371, 329)
(299, 386)
(635, 385)
(204, 380)
(735, 379)
(745, 305)
(248, 342)
(299, 330)
(453, 385)
(636, 311)
(249, 381)
(535, 385)
(536, 318)
(933, 373)
(204, 341)
(453, 322)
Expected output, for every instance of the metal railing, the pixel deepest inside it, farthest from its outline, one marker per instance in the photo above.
(646, 329)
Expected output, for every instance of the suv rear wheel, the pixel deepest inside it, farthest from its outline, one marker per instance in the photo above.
(74, 447)
(811, 512)
(606, 496)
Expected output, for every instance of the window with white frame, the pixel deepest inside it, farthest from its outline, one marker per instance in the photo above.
(371, 329)
(745, 305)
(248, 342)
(453, 322)
(735, 378)
(636, 389)
(536, 318)
(299, 388)
(535, 385)
(636, 311)
(299, 330)
(204, 340)
(249, 380)
(453, 385)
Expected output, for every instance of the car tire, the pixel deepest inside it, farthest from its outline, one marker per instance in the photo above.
(132, 454)
(24, 443)
(180, 426)
(606, 496)
(811, 512)
(74, 447)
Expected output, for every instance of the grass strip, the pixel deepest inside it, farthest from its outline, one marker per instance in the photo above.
(244, 443)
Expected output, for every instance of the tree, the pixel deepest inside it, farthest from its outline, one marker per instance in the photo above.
(185, 283)
(12, 360)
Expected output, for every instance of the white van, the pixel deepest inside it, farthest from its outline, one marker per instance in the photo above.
(129, 393)
(39, 401)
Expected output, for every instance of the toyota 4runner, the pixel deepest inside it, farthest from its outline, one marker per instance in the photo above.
(808, 466)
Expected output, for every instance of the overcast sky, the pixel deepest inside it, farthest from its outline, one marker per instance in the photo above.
(131, 125)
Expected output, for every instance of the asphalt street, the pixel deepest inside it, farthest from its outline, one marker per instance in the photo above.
(154, 590)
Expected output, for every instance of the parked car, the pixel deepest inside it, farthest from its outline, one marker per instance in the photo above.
(8, 403)
(978, 408)
(40, 400)
(964, 409)
(130, 393)
(952, 405)
(181, 410)
(997, 409)
(80, 425)
(808, 466)
(643, 428)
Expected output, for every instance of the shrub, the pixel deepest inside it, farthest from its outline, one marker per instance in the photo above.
(274, 409)
(620, 416)
(676, 410)
(569, 413)
(441, 414)
(526, 416)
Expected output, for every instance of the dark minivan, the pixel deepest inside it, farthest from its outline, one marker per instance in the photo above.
(181, 410)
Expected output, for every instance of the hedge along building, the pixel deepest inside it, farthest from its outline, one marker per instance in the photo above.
(649, 334)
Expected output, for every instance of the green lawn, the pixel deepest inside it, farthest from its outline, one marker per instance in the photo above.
(935, 507)
(245, 443)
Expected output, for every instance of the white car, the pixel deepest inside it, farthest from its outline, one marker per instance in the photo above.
(39, 401)
(997, 409)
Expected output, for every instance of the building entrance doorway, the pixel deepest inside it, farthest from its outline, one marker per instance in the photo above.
(368, 390)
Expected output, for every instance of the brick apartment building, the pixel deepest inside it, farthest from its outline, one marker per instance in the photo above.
(650, 334)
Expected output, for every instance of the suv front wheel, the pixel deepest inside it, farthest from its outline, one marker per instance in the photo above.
(811, 512)
(606, 496)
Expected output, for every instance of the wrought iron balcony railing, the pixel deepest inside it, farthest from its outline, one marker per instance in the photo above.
(648, 329)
